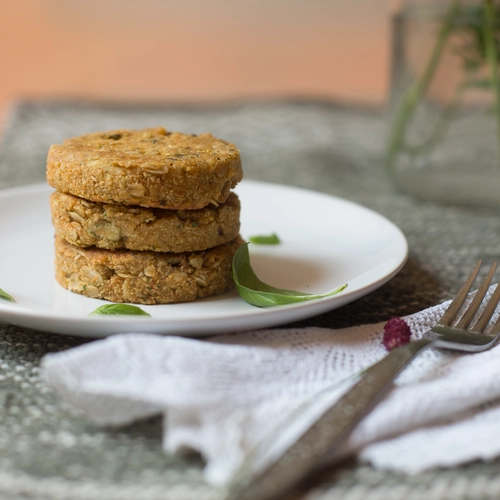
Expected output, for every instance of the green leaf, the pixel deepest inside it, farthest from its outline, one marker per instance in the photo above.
(6, 296)
(271, 239)
(118, 309)
(258, 293)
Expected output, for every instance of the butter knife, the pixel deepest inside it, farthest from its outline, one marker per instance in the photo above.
(319, 443)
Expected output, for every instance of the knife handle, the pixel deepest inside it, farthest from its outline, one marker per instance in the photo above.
(325, 436)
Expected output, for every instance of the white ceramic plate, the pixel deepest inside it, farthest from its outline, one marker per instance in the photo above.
(326, 242)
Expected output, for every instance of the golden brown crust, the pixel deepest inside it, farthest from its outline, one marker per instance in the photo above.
(144, 277)
(86, 223)
(151, 167)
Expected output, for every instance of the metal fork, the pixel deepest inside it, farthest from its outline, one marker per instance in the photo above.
(317, 446)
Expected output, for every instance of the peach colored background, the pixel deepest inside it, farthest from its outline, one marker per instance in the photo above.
(194, 49)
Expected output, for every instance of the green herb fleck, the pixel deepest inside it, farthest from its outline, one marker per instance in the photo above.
(194, 224)
(119, 309)
(271, 239)
(258, 293)
(6, 296)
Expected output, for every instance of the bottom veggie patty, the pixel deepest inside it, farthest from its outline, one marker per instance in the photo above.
(144, 277)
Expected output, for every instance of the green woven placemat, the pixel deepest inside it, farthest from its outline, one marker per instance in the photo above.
(50, 451)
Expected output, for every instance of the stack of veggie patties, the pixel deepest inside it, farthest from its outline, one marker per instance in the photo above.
(145, 216)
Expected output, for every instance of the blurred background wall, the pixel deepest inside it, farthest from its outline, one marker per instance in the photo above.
(180, 50)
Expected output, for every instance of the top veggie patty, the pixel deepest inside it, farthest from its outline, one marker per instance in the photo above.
(151, 167)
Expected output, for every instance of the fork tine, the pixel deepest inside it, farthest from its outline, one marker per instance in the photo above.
(486, 315)
(495, 330)
(457, 302)
(476, 302)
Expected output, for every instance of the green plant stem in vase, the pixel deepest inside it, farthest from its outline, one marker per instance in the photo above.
(417, 90)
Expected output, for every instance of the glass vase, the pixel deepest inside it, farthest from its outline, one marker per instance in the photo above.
(445, 102)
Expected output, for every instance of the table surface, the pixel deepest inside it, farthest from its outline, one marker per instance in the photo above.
(50, 451)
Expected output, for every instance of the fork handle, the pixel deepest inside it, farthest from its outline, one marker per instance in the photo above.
(323, 439)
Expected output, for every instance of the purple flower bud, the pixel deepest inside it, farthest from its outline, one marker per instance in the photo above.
(396, 333)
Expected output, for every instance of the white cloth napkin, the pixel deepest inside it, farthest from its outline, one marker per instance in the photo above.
(223, 395)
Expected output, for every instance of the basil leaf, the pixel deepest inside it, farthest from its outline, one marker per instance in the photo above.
(271, 239)
(258, 293)
(118, 309)
(6, 296)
